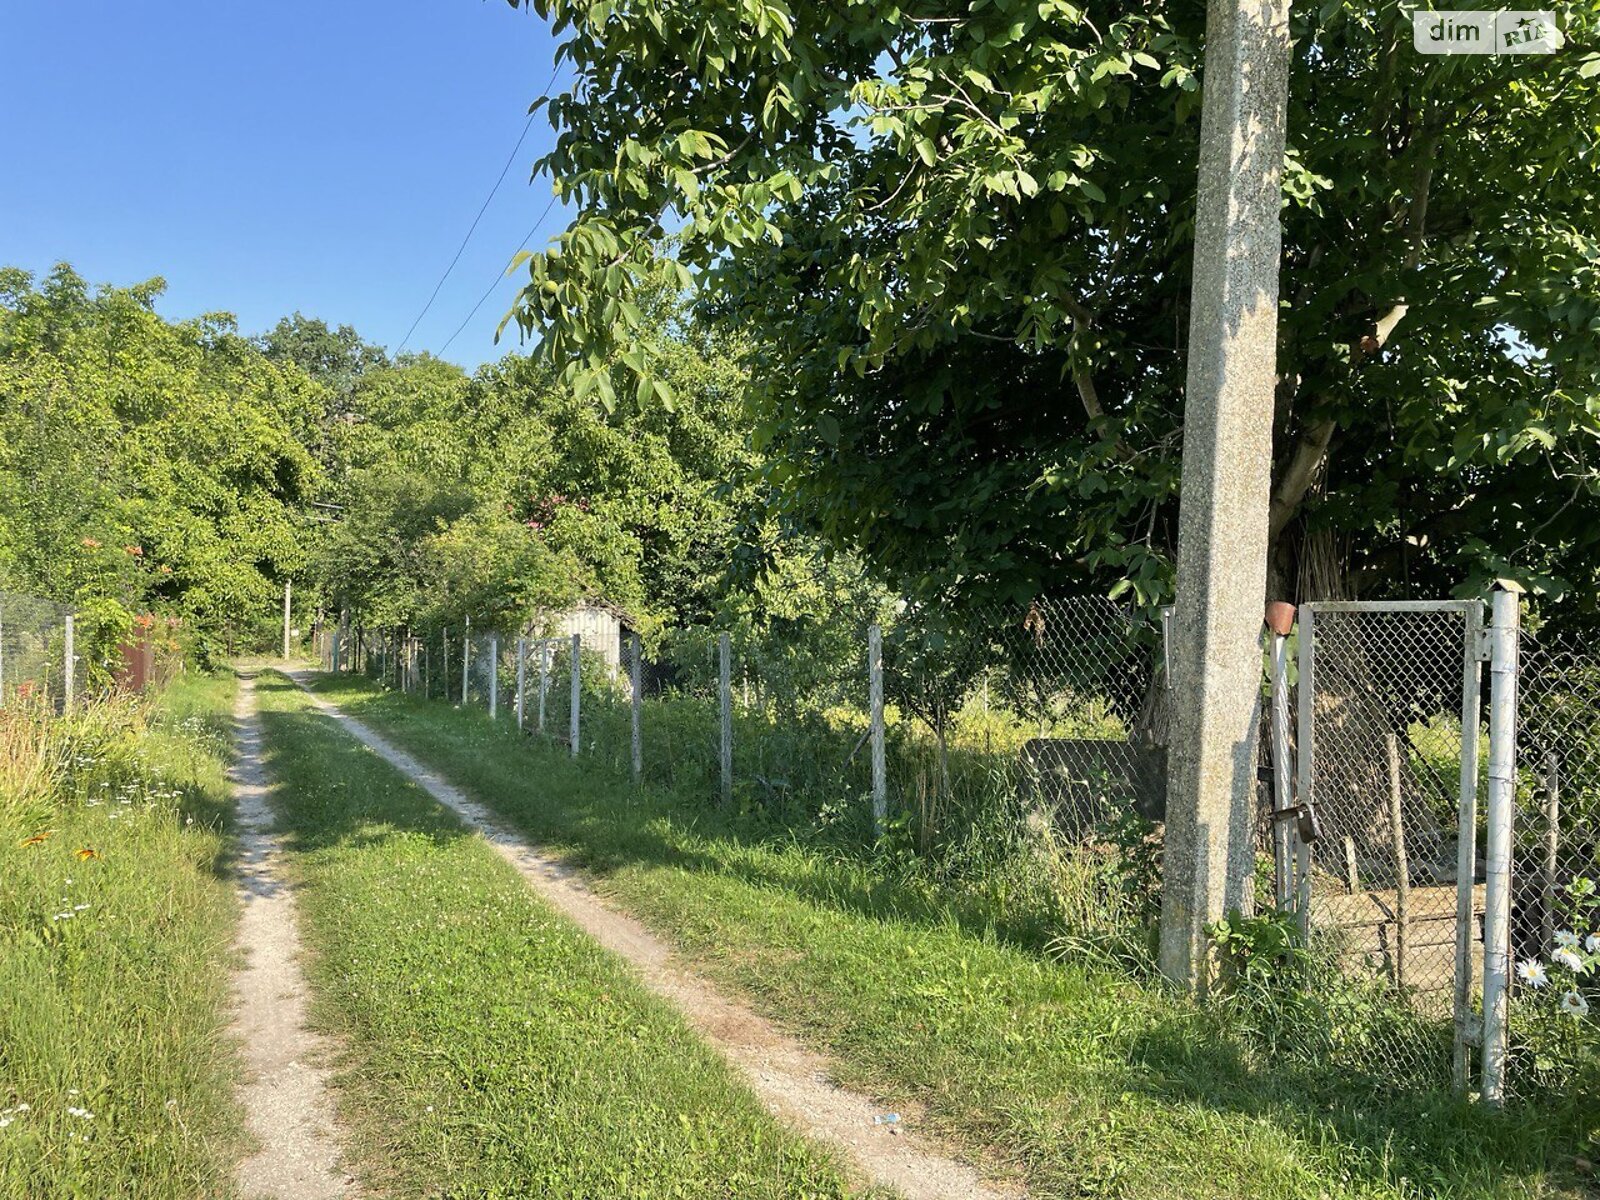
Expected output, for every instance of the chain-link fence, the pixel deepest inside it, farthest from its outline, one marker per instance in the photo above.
(33, 648)
(1555, 911)
(940, 735)
(1385, 692)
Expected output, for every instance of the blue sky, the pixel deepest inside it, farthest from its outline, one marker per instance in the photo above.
(280, 155)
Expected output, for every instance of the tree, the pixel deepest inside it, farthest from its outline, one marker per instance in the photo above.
(146, 464)
(336, 358)
(959, 240)
(640, 507)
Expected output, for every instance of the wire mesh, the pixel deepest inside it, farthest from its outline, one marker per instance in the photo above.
(1555, 869)
(32, 647)
(1053, 714)
(1385, 742)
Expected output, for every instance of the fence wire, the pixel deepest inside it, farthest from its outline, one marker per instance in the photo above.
(1381, 755)
(1044, 727)
(1555, 870)
(32, 647)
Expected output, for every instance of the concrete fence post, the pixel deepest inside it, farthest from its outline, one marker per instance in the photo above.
(544, 678)
(636, 704)
(880, 773)
(1209, 852)
(287, 592)
(466, 661)
(725, 702)
(522, 678)
(1504, 626)
(1282, 770)
(577, 693)
(494, 675)
(69, 673)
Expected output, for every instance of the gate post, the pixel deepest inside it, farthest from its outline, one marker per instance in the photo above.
(1504, 624)
(1280, 619)
(1467, 845)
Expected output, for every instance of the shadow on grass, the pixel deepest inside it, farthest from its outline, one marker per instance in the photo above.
(1181, 1058)
(371, 804)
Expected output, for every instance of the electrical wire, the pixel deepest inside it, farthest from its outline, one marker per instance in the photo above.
(490, 291)
(471, 229)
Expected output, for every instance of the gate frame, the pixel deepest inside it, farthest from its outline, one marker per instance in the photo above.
(1467, 1025)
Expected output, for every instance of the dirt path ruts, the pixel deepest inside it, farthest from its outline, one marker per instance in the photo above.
(285, 1098)
(791, 1080)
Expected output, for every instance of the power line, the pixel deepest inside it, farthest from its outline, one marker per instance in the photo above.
(526, 125)
(490, 291)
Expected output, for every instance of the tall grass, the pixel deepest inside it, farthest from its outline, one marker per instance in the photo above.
(116, 920)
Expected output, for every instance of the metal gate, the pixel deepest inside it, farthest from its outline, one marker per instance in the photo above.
(1384, 875)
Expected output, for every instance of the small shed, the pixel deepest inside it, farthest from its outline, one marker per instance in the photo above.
(603, 627)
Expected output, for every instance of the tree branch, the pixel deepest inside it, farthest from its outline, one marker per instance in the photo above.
(1310, 451)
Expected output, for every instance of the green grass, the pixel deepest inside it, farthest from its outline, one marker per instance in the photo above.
(113, 970)
(490, 1048)
(1091, 1082)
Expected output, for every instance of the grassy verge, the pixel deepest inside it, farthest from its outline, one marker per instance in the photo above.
(492, 1048)
(115, 1065)
(1094, 1083)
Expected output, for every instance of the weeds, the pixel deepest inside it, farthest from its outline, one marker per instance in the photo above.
(115, 922)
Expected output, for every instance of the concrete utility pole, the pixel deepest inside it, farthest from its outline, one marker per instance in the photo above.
(287, 592)
(1227, 473)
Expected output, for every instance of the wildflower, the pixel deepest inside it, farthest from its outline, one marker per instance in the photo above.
(85, 853)
(1592, 943)
(37, 838)
(4, 1121)
(1570, 959)
(1566, 939)
(63, 916)
(1533, 973)
(1574, 1004)
(83, 1114)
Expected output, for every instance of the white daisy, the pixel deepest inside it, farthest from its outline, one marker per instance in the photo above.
(1574, 1004)
(1570, 959)
(1592, 943)
(1566, 939)
(1533, 972)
